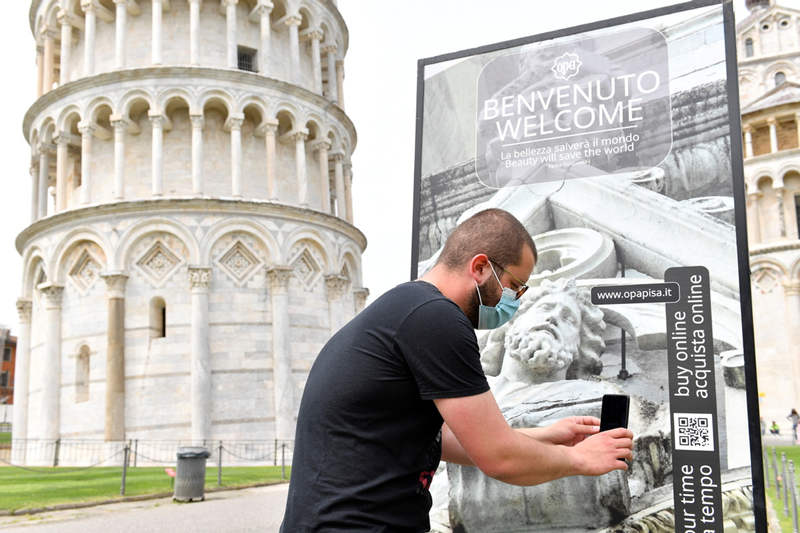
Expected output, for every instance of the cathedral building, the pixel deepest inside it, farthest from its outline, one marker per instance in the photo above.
(768, 42)
(191, 245)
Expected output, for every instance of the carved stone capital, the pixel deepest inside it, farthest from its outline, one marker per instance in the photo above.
(267, 128)
(293, 20)
(279, 276)
(360, 295)
(262, 9)
(115, 284)
(157, 121)
(791, 287)
(336, 286)
(52, 292)
(24, 308)
(87, 128)
(63, 18)
(772, 121)
(321, 144)
(312, 34)
(62, 139)
(329, 48)
(198, 121)
(338, 157)
(298, 136)
(227, 3)
(234, 122)
(199, 277)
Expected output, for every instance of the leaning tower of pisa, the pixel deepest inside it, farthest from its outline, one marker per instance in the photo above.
(191, 244)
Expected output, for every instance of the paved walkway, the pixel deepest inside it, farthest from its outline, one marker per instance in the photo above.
(235, 511)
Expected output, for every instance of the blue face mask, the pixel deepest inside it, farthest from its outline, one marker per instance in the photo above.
(494, 317)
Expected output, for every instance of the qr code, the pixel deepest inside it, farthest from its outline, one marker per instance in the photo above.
(694, 431)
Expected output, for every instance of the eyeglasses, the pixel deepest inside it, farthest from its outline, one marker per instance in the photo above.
(522, 287)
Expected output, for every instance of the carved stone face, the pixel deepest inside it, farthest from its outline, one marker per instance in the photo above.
(546, 337)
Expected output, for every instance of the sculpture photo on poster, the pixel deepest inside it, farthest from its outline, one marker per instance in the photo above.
(618, 146)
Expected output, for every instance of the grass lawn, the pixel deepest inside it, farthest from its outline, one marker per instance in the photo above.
(5, 438)
(793, 454)
(20, 489)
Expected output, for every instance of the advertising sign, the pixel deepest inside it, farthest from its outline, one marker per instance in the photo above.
(618, 146)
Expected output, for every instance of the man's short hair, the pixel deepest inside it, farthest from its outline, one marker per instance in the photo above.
(493, 232)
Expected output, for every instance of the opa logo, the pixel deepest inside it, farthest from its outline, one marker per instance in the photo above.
(566, 66)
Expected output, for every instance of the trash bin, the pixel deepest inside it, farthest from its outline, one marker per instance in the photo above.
(190, 479)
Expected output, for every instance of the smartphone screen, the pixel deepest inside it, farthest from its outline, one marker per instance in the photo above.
(614, 413)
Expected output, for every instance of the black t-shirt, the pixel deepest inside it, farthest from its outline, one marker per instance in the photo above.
(368, 433)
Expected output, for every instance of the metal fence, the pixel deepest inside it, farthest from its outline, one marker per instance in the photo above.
(780, 474)
(141, 452)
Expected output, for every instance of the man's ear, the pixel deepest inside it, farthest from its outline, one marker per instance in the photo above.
(479, 268)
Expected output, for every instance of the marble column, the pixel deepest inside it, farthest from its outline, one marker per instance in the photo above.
(50, 414)
(348, 191)
(157, 122)
(87, 132)
(340, 83)
(316, 59)
(49, 61)
(230, 18)
(779, 194)
(199, 281)
(44, 178)
(90, 25)
(119, 33)
(157, 32)
(66, 46)
(62, 155)
(754, 218)
(19, 421)
(120, 125)
(115, 357)
(791, 292)
(773, 135)
(235, 125)
(748, 142)
(270, 128)
(283, 383)
(39, 69)
(360, 296)
(197, 154)
(322, 147)
(797, 126)
(34, 170)
(263, 10)
(336, 286)
(330, 49)
(338, 172)
(294, 22)
(300, 167)
(194, 32)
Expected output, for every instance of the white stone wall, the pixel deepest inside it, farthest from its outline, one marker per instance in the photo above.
(158, 370)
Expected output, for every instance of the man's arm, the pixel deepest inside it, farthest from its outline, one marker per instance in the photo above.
(476, 430)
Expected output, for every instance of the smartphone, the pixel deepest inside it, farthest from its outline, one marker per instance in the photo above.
(614, 413)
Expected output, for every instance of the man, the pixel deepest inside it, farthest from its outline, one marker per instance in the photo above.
(401, 387)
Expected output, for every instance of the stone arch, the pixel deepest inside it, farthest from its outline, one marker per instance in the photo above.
(216, 97)
(287, 116)
(51, 15)
(280, 9)
(766, 274)
(69, 116)
(252, 101)
(794, 273)
(68, 244)
(312, 238)
(315, 130)
(222, 228)
(306, 17)
(48, 129)
(168, 97)
(254, 113)
(325, 27)
(787, 67)
(349, 258)
(94, 107)
(33, 260)
(761, 182)
(787, 169)
(133, 100)
(121, 257)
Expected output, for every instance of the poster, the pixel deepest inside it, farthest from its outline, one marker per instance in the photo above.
(618, 146)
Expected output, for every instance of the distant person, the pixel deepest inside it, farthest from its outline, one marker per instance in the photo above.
(794, 417)
(774, 429)
(401, 387)
(763, 426)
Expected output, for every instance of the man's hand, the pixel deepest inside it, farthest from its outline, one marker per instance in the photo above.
(567, 431)
(601, 453)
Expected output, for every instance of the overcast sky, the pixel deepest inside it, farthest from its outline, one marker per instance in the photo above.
(386, 40)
